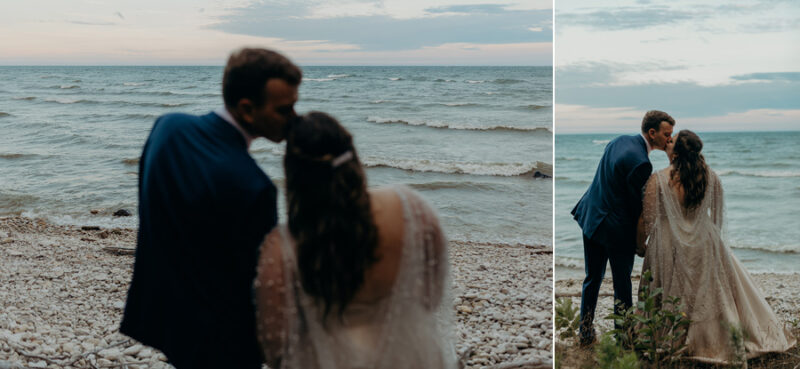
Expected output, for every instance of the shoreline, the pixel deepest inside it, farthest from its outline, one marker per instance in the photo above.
(64, 289)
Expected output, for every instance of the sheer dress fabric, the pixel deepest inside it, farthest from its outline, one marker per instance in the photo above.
(688, 258)
(409, 328)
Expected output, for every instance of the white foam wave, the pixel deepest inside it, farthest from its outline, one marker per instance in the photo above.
(338, 75)
(762, 174)
(471, 81)
(454, 167)
(780, 249)
(134, 84)
(378, 101)
(319, 79)
(68, 87)
(600, 142)
(395, 79)
(451, 125)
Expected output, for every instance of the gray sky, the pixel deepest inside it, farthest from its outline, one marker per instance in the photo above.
(712, 65)
(349, 32)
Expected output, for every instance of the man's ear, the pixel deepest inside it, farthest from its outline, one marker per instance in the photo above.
(651, 133)
(245, 109)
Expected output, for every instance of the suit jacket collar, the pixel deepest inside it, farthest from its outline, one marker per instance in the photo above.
(646, 144)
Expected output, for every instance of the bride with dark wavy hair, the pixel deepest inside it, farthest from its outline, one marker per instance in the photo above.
(358, 277)
(680, 236)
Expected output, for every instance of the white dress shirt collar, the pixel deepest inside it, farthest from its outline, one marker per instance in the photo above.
(223, 113)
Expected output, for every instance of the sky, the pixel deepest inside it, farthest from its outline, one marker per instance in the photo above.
(713, 66)
(311, 32)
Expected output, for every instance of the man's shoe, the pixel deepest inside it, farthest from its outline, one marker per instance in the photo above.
(587, 339)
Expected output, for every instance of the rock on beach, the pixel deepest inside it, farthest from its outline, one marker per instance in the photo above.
(64, 289)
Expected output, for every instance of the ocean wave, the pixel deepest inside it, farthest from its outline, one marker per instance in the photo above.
(28, 98)
(379, 101)
(319, 79)
(536, 107)
(460, 104)
(123, 103)
(507, 81)
(775, 249)
(16, 156)
(395, 79)
(453, 167)
(455, 126)
(131, 161)
(444, 80)
(134, 83)
(68, 87)
(761, 174)
(568, 263)
(567, 158)
(337, 76)
(439, 185)
(4, 114)
(13, 203)
(471, 81)
(600, 142)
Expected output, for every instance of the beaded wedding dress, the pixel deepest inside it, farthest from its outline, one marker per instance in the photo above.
(409, 328)
(688, 258)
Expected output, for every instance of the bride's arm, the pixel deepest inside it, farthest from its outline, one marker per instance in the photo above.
(647, 218)
(270, 298)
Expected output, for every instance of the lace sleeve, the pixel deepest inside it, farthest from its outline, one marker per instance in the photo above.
(433, 244)
(649, 213)
(271, 298)
(718, 207)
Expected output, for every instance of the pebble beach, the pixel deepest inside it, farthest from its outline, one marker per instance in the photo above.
(63, 292)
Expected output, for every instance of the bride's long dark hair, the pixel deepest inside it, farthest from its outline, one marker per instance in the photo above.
(330, 216)
(689, 167)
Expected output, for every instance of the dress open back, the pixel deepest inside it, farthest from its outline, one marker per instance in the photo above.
(405, 329)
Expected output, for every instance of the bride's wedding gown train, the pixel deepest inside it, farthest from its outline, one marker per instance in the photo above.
(688, 259)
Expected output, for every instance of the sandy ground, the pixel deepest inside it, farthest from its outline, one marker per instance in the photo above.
(63, 289)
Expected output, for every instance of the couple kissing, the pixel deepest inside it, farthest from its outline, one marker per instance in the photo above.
(356, 277)
(673, 218)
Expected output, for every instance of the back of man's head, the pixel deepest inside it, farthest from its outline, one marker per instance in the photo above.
(248, 71)
(653, 118)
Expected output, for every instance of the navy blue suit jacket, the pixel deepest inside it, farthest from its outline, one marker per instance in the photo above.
(204, 208)
(609, 210)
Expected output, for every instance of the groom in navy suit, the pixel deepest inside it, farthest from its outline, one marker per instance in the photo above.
(204, 208)
(609, 211)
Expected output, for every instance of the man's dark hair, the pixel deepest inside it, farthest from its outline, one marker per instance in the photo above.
(653, 118)
(248, 71)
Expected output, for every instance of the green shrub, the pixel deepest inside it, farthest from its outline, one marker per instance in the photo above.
(656, 326)
(567, 318)
(609, 354)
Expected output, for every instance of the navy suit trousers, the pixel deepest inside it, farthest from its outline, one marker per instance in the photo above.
(596, 256)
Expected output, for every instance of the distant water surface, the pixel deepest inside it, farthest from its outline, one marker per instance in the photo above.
(760, 174)
(468, 138)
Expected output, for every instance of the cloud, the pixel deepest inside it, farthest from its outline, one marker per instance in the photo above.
(85, 23)
(480, 24)
(780, 76)
(470, 9)
(535, 29)
(628, 17)
(686, 99)
(604, 73)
